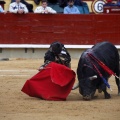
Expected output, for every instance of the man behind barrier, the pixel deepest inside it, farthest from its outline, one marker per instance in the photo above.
(71, 9)
(44, 9)
(18, 7)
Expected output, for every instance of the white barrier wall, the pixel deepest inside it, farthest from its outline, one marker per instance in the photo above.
(34, 52)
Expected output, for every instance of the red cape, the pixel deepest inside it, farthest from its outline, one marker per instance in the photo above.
(54, 82)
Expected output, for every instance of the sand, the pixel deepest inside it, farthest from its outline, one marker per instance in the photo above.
(15, 105)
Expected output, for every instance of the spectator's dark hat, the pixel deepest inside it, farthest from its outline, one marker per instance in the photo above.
(2, 2)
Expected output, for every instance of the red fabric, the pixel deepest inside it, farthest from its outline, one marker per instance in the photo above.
(109, 1)
(107, 69)
(52, 83)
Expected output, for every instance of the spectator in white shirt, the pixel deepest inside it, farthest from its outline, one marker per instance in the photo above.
(18, 7)
(1, 9)
(44, 9)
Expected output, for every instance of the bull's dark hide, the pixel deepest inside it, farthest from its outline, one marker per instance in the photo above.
(119, 66)
(108, 54)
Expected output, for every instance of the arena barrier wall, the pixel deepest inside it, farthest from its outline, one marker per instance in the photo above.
(39, 30)
(69, 29)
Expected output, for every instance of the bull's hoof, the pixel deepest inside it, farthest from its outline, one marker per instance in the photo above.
(87, 97)
(99, 90)
(107, 96)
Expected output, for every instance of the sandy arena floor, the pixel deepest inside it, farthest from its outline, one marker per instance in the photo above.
(15, 105)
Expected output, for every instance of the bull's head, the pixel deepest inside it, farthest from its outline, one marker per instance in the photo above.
(87, 87)
(87, 74)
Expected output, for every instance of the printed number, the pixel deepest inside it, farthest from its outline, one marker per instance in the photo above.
(100, 7)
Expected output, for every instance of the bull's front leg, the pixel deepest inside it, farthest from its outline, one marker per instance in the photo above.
(118, 85)
(106, 94)
(117, 78)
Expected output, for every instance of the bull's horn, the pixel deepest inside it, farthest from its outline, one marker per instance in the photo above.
(93, 77)
(75, 87)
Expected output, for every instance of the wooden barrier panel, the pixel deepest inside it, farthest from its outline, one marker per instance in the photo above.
(68, 29)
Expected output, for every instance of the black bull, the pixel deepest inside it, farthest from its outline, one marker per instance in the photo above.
(87, 67)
